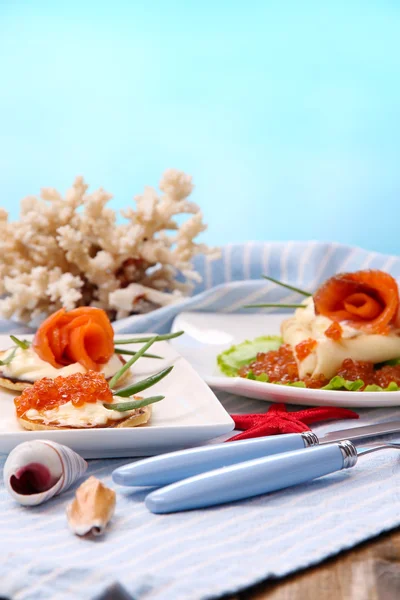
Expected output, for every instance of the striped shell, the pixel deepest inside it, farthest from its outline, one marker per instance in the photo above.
(36, 471)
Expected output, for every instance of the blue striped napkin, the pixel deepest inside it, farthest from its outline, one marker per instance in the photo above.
(206, 553)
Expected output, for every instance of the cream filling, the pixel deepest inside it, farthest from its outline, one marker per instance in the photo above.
(27, 366)
(89, 414)
(329, 354)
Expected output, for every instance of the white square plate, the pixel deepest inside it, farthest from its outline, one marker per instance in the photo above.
(189, 414)
(208, 334)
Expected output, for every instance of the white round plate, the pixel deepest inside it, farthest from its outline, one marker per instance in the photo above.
(208, 334)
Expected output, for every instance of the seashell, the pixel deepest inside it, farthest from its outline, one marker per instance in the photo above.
(92, 508)
(36, 471)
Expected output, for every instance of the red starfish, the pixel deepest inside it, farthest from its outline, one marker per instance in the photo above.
(277, 420)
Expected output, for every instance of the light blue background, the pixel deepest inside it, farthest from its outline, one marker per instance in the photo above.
(286, 113)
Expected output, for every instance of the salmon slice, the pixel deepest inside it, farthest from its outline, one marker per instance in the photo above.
(368, 300)
(43, 343)
(82, 335)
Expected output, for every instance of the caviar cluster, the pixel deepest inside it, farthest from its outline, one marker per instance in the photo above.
(280, 366)
(78, 388)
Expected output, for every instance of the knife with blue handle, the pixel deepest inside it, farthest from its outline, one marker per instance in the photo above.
(256, 477)
(174, 466)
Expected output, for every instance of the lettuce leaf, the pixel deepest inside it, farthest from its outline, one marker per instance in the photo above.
(338, 383)
(392, 387)
(392, 363)
(262, 377)
(236, 357)
(265, 379)
(295, 384)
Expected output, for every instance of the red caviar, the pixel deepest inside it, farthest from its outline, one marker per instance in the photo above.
(334, 332)
(388, 374)
(351, 370)
(357, 369)
(304, 348)
(280, 365)
(78, 388)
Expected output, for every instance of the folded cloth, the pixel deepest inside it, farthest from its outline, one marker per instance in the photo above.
(206, 553)
(236, 278)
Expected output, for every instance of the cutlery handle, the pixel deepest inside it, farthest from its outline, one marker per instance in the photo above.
(168, 468)
(252, 478)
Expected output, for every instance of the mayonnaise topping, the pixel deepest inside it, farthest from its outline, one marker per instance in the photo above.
(328, 354)
(27, 366)
(90, 414)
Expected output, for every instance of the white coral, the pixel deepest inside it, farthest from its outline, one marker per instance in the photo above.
(65, 290)
(125, 299)
(71, 251)
(176, 184)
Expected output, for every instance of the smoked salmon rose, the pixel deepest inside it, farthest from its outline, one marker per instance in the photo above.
(83, 335)
(367, 300)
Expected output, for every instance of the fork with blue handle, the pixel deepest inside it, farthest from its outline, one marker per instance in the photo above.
(210, 475)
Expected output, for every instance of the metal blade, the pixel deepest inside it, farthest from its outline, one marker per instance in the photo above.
(358, 433)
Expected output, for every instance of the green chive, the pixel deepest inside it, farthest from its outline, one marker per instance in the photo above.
(286, 285)
(24, 344)
(130, 362)
(139, 386)
(9, 358)
(133, 352)
(124, 406)
(158, 338)
(274, 306)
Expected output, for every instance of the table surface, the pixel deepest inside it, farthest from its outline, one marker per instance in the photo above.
(371, 571)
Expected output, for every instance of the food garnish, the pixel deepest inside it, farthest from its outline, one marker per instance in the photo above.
(279, 366)
(133, 352)
(69, 342)
(287, 286)
(278, 420)
(77, 344)
(132, 361)
(345, 336)
(83, 335)
(45, 399)
(273, 305)
(79, 389)
(304, 348)
(124, 406)
(367, 300)
(140, 386)
(141, 340)
(9, 358)
(245, 353)
(334, 331)
(23, 344)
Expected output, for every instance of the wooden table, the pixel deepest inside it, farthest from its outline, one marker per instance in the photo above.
(371, 571)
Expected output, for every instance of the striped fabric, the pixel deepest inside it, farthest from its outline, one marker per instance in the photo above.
(235, 278)
(206, 553)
